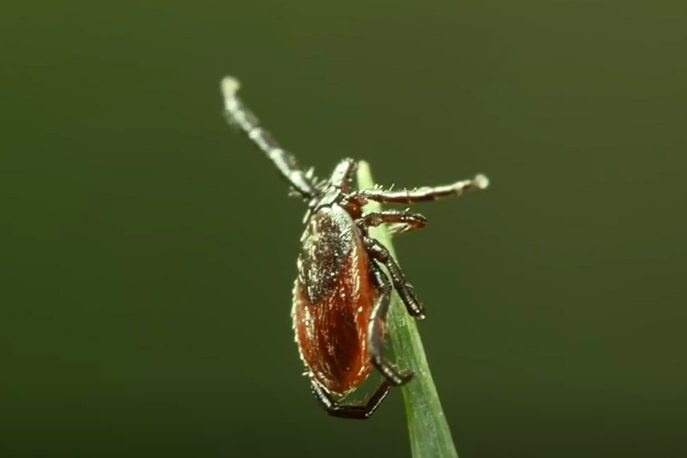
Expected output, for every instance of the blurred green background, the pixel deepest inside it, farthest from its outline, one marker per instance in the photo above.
(148, 252)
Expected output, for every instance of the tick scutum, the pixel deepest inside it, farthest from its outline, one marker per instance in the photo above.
(333, 301)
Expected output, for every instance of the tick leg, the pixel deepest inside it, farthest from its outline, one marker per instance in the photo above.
(401, 221)
(343, 174)
(378, 252)
(240, 115)
(423, 194)
(352, 411)
(376, 334)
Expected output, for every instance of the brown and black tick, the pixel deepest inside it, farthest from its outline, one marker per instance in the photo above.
(341, 295)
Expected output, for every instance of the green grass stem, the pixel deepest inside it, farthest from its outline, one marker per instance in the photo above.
(430, 436)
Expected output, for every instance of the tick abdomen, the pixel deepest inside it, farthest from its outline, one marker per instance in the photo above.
(333, 301)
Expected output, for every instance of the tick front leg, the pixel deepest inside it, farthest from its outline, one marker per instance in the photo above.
(379, 252)
(376, 330)
(423, 194)
(352, 411)
(240, 115)
(401, 221)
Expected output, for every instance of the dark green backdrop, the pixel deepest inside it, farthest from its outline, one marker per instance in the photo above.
(148, 252)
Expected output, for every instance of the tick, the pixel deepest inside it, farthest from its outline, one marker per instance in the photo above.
(341, 295)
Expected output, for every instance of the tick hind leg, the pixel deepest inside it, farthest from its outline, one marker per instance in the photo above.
(378, 252)
(376, 330)
(352, 411)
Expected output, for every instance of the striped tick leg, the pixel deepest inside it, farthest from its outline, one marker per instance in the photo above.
(241, 116)
(423, 194)
(378, 252)
(352, 411)
(399, 221)
(376, 330)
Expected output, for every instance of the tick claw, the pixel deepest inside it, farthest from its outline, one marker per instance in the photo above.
(405, 377)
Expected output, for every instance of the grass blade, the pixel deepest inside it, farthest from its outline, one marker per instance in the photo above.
(430, 436)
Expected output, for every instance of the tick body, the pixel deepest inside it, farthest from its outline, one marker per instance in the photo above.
(333, 301)
(341, 294)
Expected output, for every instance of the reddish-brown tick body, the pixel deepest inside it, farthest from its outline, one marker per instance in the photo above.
(341, 296)
(333, 301)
